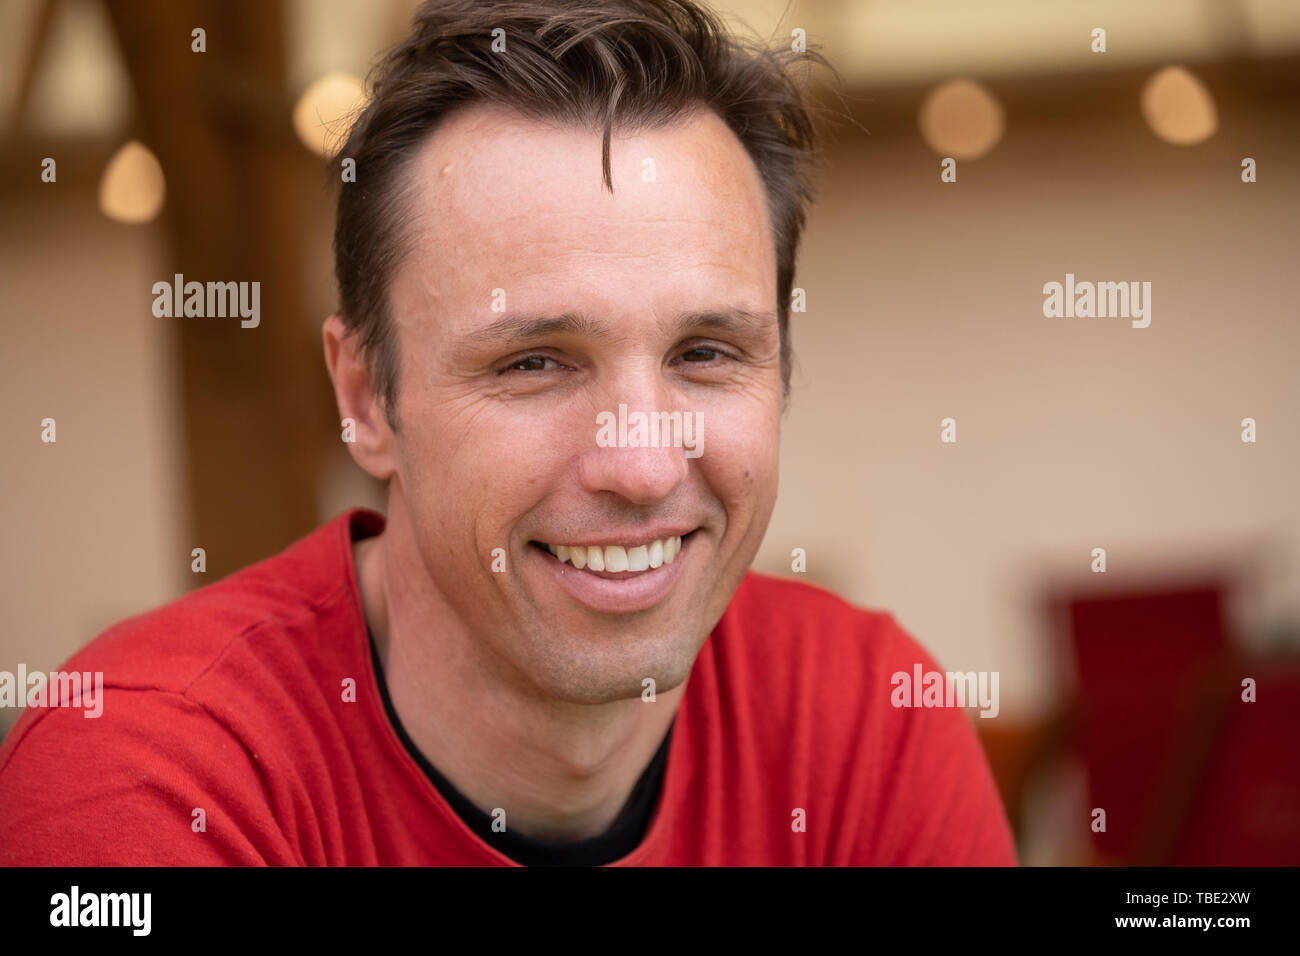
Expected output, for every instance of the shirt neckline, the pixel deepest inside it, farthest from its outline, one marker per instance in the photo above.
(616, 842)
(371, 523)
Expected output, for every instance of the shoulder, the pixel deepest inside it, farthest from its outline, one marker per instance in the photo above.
(191, 706)
(840, 664)
(171, 647)
(811, 677)
(801, 622)
(226, 645)
(803, 659)
(136, 786)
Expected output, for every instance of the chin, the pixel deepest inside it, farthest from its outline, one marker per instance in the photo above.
(581, 673)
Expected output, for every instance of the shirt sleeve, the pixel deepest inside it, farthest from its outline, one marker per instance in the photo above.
(941, 805)
(124, 788)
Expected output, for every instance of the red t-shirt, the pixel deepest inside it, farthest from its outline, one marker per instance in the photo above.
(230, 700)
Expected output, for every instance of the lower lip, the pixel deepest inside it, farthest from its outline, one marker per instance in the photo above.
(629, 591)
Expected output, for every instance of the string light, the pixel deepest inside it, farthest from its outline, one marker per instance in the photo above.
(1178, 107)
(132, 187)
(961, 119)
(322, 114)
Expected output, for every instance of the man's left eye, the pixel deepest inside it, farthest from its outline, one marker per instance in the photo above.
(701, 354)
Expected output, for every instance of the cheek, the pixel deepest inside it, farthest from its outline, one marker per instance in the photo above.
(476, 468)
(741, 458)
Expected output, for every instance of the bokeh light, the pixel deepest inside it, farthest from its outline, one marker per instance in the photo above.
(133, 187)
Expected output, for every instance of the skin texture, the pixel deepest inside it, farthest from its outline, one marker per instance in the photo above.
(525, 698)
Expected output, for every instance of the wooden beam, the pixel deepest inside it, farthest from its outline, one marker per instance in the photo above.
(32, 60)
(256, 402)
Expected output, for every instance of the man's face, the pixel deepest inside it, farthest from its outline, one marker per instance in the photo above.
(661, 298)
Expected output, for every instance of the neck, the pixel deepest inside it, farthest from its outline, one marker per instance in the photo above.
(562, 771)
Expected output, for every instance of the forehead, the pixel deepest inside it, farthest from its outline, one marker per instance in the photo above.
(500, 200)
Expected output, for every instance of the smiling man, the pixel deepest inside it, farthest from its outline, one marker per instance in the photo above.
(551, 650)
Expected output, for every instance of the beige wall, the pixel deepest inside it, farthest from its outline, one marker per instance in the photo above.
(92, 522)
(925, 301)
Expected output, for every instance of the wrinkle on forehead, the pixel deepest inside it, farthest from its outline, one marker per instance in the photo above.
(475, 170)
(502, 201)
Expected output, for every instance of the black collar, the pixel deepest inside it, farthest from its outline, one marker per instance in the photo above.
(615, 843)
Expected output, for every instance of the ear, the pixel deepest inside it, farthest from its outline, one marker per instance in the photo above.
(375, 446)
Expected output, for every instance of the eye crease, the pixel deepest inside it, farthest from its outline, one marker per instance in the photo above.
(527, 359)
(703, 354)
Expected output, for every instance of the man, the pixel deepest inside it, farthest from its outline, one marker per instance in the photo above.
(551, 651)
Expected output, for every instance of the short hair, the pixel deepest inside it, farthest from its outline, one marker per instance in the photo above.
(630, 63)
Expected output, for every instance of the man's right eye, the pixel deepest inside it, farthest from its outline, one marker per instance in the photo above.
(529, 363)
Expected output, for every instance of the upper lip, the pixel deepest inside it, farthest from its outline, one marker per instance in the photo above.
(636, 536)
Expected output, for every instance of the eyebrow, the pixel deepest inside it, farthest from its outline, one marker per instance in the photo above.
(739, 321)
(526, 328)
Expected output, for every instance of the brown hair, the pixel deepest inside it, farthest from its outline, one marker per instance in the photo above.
(630, 62)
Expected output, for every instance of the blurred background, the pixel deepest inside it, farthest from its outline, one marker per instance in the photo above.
(1119, 690)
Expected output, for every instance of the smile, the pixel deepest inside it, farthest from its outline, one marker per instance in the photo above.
(617, 578)
(616, 558)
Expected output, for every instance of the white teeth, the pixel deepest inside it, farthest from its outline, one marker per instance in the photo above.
(615, 557)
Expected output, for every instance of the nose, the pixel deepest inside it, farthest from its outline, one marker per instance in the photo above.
(623, 457)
